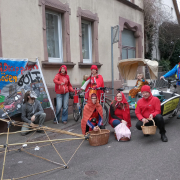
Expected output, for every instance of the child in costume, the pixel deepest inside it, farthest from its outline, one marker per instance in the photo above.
(94, 81)
(92, 115)
(85, 77)
(133, 92)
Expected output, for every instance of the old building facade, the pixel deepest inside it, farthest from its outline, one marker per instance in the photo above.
(76, 33)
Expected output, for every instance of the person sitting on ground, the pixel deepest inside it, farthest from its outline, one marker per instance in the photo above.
(119, 111)
(32, 112)
(92, 115)
(133, 92)
(149, 107)
(119, 117)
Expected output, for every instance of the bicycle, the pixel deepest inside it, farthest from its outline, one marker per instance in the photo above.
(77, 106)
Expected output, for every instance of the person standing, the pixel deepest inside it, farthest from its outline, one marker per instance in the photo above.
(32, 112)
(149, 107)
(62, 89)
(94, 81)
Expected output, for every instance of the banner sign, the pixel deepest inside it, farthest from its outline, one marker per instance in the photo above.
(17, 76)
(169, 105)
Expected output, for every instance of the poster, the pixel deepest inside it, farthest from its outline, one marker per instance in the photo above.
(17, 76)
(169, 106)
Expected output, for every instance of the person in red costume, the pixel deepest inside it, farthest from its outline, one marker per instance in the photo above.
(94, 81)
(119, 111)
(149, 107)
(92, 115)
(62, 88)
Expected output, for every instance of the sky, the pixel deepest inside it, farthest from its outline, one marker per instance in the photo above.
(178, 1)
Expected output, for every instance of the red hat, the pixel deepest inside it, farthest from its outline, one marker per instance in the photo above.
(146, 88)
(94, 67)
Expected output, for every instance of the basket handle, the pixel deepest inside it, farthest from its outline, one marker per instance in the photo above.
(150, 119)
(99, 129)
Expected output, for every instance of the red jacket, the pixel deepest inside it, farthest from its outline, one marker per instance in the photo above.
(145, 107)
(121, 113)
(98, 81)
(88, 112)
(62, 78)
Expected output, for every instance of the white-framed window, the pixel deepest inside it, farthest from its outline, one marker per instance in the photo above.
(86, 41)
(54, 36)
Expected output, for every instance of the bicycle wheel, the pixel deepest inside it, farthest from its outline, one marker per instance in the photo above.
(76, 114)
(105, 115)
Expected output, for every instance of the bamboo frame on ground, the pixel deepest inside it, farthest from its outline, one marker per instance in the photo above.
(44, 128)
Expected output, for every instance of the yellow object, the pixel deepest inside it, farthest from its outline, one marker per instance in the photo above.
(170, 105)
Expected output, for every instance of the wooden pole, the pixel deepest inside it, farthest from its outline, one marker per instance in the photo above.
(5, 151)
(36, 142)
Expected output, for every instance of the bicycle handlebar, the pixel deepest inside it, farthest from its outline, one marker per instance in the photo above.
(170, 81)
(77, 88)
(102, 88)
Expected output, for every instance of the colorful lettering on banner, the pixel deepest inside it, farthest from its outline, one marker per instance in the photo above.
(16, 78)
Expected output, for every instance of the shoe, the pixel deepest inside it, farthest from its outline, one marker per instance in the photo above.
(178, 117)
(55, 122)
(146, 135)
(40, 131)
(164, 138)
(64, 122)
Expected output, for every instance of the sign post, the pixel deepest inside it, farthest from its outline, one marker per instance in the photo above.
(114, 39)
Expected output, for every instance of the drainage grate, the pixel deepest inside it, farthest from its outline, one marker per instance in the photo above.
(90, 173)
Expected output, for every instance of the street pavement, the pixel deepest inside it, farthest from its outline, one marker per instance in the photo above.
(143, 158)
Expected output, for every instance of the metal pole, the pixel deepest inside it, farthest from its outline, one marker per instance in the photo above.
(112, 66)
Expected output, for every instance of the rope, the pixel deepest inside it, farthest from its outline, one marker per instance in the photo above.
(75, 152)
(34, 147)
(17, 123)
(38, 173)
(28, 139)
(22, 124)
(5, 153)
(55, 149)
(16, 132)
(36, 142)
(42, 158)
(5, 112)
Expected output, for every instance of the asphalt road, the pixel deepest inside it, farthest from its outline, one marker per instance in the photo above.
(143, 158)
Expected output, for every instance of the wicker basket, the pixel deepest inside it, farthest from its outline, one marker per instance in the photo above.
(149, 129)
(99, 138)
